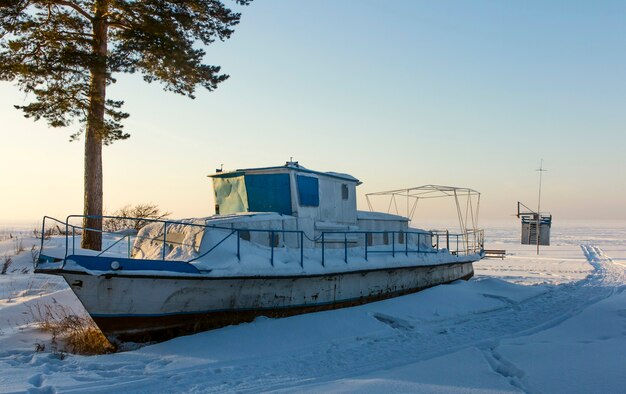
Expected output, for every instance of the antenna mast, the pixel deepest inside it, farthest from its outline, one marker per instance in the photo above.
(541, 171)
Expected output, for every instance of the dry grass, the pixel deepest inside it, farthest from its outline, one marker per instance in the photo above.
(50, 232)
(77, 332)
(8, 260)
(19, 246)
(34, 254)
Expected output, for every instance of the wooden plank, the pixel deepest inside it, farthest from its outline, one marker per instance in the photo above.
(495, 253)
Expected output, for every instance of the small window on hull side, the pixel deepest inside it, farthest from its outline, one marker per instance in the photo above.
(244, 234)
(274, 239)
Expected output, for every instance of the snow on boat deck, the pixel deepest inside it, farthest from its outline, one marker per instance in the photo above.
(256, 260)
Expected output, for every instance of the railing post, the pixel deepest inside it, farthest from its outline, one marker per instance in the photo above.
(406, 243)
(393, 244)
(238, 247)
(164, 238)
(323, 245)
(301, 249)
(482, 240)
(345, 247)
(43, 230)
(128, 245)
(73, 240)
(475, 245)
(448, 241)
(437, 235)
(365, 245)
(457, 244)
(418, 242)
(272, 245)
(66, 240)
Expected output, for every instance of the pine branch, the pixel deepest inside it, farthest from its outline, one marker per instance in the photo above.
(79, 34)
(74, 6)
(119, 25)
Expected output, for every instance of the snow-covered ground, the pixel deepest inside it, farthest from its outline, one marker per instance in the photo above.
(549, 323)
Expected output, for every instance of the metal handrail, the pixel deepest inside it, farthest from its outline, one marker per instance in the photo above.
(477, 247)
(473, 247)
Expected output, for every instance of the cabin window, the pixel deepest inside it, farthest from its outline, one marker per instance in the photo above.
(308, 191)
(230, 194)
(386, 238)
(244, 234)
(344, 191)
(370, 239)
(401, 237)
(269, 193)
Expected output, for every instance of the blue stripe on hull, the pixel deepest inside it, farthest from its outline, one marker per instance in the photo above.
(102, 263)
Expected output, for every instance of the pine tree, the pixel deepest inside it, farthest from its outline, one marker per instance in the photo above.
(66, 53)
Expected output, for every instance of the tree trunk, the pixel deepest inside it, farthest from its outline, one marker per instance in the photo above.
(94, 133)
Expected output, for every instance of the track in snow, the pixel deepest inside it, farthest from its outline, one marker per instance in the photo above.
(408, 342)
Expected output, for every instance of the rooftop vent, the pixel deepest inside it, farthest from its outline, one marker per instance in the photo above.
(291, 163)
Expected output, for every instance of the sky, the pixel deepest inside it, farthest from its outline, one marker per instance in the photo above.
(398, 94)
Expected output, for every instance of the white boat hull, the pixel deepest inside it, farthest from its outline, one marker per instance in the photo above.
(131, 306)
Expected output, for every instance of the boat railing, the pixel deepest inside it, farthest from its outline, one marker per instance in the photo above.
(396, 242)
(469, 242)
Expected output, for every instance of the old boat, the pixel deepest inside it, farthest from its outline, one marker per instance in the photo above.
(284, 240)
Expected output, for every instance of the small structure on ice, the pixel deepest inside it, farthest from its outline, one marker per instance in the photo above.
(531, 221)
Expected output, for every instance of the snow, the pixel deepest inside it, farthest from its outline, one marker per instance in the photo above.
(582, 354)
(549, 323)
(431, 376)
(556, 264)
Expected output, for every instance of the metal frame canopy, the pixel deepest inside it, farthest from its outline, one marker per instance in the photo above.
(462, 196)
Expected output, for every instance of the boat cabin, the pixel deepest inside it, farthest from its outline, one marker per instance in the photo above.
(288, 190)
(292, 197)
(283, 206)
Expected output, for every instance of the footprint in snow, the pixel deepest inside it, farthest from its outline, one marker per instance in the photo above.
(393, 322)
(36, 380)
(157, 364)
